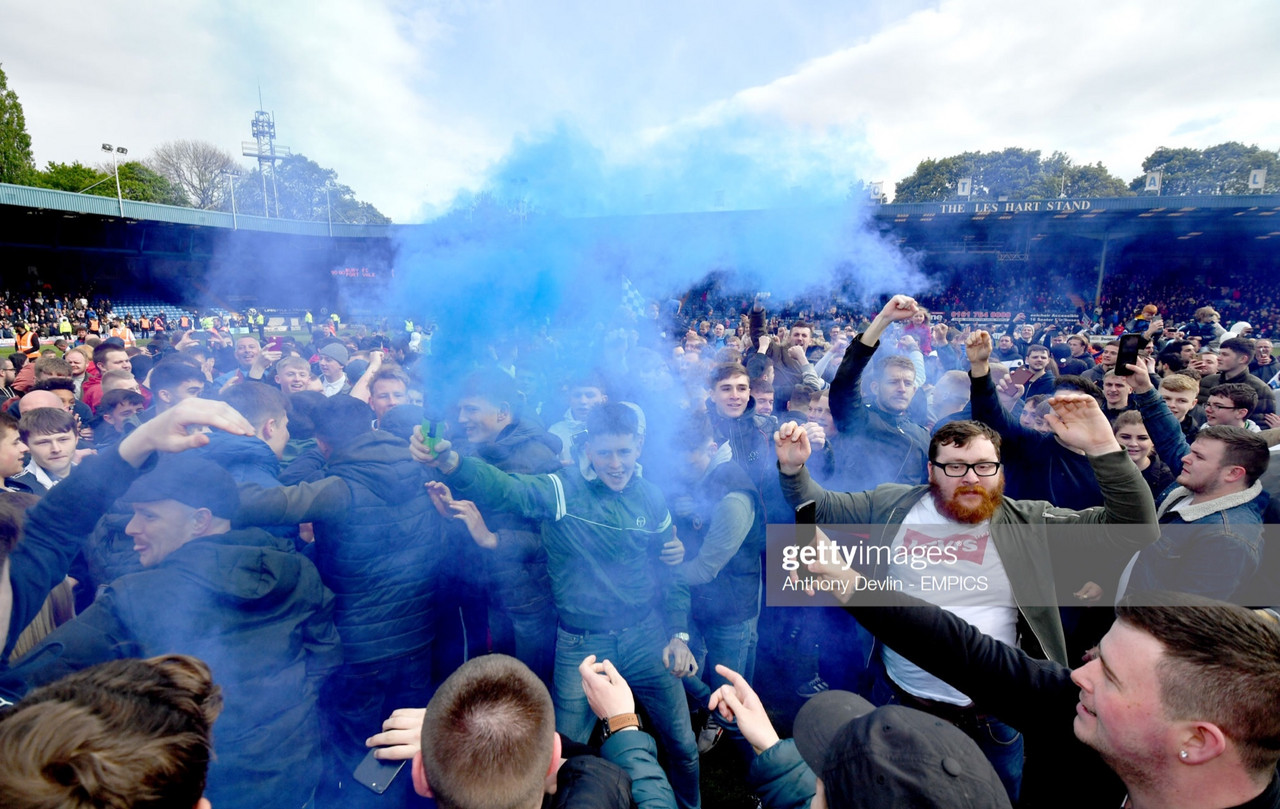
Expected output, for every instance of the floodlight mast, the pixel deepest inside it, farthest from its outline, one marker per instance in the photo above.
(115, 164)
(264, 148)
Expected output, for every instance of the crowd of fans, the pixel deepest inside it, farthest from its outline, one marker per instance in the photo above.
(262, 570)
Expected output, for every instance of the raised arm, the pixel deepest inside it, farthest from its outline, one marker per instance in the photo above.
(846, 387)
(59, 523)
(793, 448)
(1160, 422)
(984, 401)
(1081, 425)
(535, 497)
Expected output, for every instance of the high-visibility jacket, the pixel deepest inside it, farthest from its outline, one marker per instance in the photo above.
(124, 334)
(184, 322)
(26, 343)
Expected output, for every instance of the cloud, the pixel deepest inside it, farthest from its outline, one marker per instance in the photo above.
(409, 101)
(413, 102)
(1101, 80)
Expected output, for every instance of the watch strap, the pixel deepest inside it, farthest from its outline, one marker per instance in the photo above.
(622, 721)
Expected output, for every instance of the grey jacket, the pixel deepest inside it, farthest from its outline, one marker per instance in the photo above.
(1029, 564)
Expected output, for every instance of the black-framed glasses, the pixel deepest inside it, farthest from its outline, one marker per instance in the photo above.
(955, 469)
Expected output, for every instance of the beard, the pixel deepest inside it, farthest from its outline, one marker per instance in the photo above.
(953, 509)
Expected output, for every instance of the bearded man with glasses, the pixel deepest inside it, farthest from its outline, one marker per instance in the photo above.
(961, 525)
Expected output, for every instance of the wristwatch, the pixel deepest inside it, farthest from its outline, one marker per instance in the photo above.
(684, 636)
(619, 722)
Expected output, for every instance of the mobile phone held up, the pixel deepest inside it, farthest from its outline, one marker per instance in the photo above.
(1021, 376)
(1130, 345)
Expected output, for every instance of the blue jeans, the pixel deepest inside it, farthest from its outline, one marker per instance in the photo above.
(527, 634)
(636, 651)
(732, 645)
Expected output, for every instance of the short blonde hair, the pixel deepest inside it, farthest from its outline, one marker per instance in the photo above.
(1179, 383)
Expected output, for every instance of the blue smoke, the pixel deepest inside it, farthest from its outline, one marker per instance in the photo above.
(560, 222)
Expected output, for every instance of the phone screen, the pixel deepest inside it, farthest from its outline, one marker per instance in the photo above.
(1130, 345)
(1021, 376)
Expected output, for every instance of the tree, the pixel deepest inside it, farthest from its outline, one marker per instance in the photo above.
(299, 183)
(1060, 176)
(139, 183)
(1221, 169)
(1013, 174)
(197, 168)
(75, 177)
(16, 163)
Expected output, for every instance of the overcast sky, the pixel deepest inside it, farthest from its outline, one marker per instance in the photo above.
(415, 102)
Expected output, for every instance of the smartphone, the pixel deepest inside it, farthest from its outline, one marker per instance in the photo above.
(806, 520)
(1130, 345)
(274, 343)
(377, 774)
(431, 434)
(807, 513)
(1021, 376)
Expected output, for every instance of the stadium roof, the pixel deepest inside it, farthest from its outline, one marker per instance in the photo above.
(58, 231)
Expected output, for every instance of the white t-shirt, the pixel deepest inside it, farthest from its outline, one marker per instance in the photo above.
(993, 609)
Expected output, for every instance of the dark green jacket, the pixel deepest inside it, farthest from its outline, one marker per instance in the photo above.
(1126, 524)
(602, 546)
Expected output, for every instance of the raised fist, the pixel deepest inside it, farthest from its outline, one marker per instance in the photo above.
(978, 347)
(899, 307)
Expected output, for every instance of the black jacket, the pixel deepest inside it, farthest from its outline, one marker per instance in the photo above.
(1035, 696)
(54, 530)
(1037, 467)
(751, 438)
(1266, 396)
(379, 556)
(876, 446)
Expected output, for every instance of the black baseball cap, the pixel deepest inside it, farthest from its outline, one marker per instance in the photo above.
(892, 756)
(192, 481)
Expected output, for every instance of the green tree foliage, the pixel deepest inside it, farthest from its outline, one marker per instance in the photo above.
(75, 177)
(299, 185)
(1221, 169)
(1059, 176)
(137, 182)
(1012, 173)
(16, 163)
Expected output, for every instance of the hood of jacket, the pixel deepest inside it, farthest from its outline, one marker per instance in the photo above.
(380, 462)
(246, 457)
(243, 567)
(523, 447)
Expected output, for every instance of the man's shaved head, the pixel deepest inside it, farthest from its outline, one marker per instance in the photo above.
(39, 398)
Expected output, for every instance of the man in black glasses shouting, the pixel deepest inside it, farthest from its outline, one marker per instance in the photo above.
(959, 543)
